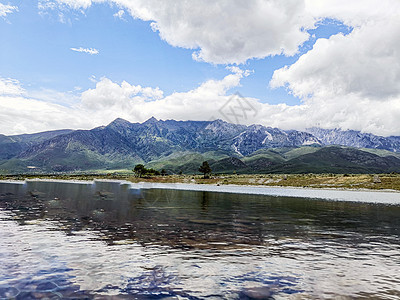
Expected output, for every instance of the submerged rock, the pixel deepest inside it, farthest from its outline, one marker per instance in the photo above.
(256, 293)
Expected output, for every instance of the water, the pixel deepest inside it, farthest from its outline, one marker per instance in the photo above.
(103, 239)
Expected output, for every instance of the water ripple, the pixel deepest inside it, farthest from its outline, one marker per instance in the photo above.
(65, 240)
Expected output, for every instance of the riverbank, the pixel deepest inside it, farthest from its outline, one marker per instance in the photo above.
(330, 181)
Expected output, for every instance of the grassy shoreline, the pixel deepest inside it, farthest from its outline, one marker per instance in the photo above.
(337, 181)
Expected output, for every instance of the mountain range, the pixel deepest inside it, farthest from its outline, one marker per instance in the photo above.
(181, 146)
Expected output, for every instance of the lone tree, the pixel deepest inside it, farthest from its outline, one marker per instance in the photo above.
(164, 172)
(205, 169)
(139, 170)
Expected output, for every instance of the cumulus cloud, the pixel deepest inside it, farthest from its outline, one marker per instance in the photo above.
(109, 100)
(221, 31)
(365, 62)
(23, 112)
(346, 81)
(6, 9)
(112, 100)
(351, 81)
(225, 32)
(91, 51)
(26, 115)
(353, 13)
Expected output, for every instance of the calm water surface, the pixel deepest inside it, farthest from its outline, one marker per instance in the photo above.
(103, 239)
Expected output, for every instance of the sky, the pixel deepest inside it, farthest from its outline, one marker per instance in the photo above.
(294, 64)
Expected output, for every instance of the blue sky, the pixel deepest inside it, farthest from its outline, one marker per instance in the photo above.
(310, 53)
(36, 50)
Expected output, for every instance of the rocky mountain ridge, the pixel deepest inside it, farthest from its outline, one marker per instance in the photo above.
(122, 144)
(357, 139)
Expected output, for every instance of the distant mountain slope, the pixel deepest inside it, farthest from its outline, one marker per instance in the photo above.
(34, 138)
(82, 149)
(122, 141)
(330, 159)
(335, 159)
(11, 146)
(355, 139)
(257, 137)
(181, 145)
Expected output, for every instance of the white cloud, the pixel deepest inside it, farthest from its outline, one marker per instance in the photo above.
(91, 51)
(6, 9)
(119, 14)
(365, 62)
(109, 100)
(74, 4)
(353, 13)
(221, 31)
(352, 81)
(35, 111)
(108, 94)
(347, 81)
(47, 8)
(347, 113)
(25, 115)
(10, 86)
(233, 31)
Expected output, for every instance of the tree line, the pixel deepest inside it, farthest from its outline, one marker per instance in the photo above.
(141, 171)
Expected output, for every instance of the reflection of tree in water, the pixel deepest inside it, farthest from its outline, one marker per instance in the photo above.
(204, 201)
(222, 229)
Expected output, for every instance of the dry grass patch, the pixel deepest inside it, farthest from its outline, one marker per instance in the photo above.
(345, 181)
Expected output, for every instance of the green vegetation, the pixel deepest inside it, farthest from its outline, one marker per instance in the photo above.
(205, 169)
(298, 160)
(185, 161)
(287, 160)
(141, 171)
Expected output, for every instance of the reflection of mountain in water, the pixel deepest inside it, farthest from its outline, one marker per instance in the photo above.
(197, 244)
(191, 219)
